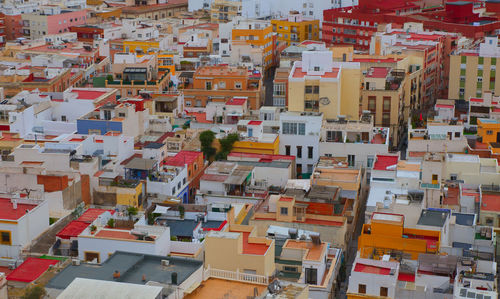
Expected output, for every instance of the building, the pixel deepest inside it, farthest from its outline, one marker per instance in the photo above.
(357, 142)
(280, 87)
(194, 163)
(23, 220)
(51, 20)
(295, 29)
(488, 130)
(223, 11)
(222, 83)
(299, 137)
(228, 178)
(318, 84)
(155, 11)
(473, 72)
(386, 94)
(254, 140)
(91, 288)
(239, 249)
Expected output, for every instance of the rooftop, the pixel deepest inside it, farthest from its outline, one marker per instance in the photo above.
(88, 94)
(91, 214)
(314, 251)
(182, 158)
(378, 72)
(31, 269)
(371, 269)
(383, 162)
(236, 101)
(298, 73)
(8, 212)
(218, 288)
(490, 202)
(84, 288)
(433, 217)
(124, 262)
(72, 230)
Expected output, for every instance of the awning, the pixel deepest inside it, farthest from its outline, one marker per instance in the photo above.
(161, 209)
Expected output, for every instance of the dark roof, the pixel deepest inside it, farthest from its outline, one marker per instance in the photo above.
(274, 164)
(185, 228)
(458, 3)
(433, 217)
(464, 219)
(154, 145)
(131, 266)
(461, 245)
(135, 70)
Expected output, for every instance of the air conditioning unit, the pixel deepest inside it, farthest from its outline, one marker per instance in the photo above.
(165, 263)
(75, 262)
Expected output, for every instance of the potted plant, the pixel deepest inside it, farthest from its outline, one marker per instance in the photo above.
(93, 228)
(181, 212)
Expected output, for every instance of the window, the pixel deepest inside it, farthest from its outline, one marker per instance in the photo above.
(489, 221)
(308, 89)
(384, 291)
(287, 150)
(309, 152)
(316, 89)
(309, 168)
(91, 256)
(453, 176)
(457, 134)
(198, 103)
(222, 84)
(369, 161)
(284, 211)
(311, 276)
(290, 269)
(237, 85)
(121, 114)
(63, 117)
(386, 119)
(299, 151)
(184, 181)
(208, 85)
(434, 178)
(362, 288)
(489, 132)
(5, 238)
(351, 159)
(188, 103)
(372, 104)
(387, 104)
(173, 191)
(302, 129)
(316, 68)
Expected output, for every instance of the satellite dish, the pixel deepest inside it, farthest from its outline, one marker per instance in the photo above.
(324, 101)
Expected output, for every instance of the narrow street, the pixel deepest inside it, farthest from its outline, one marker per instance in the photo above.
(268, 85)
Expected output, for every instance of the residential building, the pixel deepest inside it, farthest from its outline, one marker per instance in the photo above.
(295, 29)
(239, 249)
(251, 157)
(51, 20)
(223, 11)
(228, 178)
(299, 137)
(319, 84)
(254, 140)
(222, 83)
(146, 266)
(169, 181)
(29, 271)
(92, 288)
(488, 106)
(112, 191)
(488, 130)
(473, 71)
(280, 87)
(357, 142)
(489, 210)
(288, 212)
(156, 11)
(23, 220)
(194, 163)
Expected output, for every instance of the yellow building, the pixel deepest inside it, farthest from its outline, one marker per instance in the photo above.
(166, 62)
(223, 11)
(489, 130)
(131, 46)
(129, 195)
(240, 250)
(295, 29)
(319, 84)
(472, 75)
(257, 33)
(257, 142)
(8, 142)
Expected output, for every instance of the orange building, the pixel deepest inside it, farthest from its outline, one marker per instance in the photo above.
(386, 233)
(222, 83)
(259, 34)
(195, 167)
(36, 80)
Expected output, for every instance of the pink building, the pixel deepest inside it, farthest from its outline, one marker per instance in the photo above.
(51, 20)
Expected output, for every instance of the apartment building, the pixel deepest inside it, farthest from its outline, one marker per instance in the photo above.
(51, 20)
(257, 34)
(295, 29)
(473, 71)
(223, 11)
(299, 137)
(222, 83)
(319, 84)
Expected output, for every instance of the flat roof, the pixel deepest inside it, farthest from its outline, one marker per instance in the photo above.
(31, 269)
(384, 161)
(219, 288)
(185, 228)
(91, 214)
(490, 202)
(433, 217)
(298, 73)
(371, 269)
(463, 158)
(250, 247)
(388, 217)
(182, 158)
(464, 219)
(378, 72)
(73, 229)
(84, 94)
(8, 212)
(314, 251)
(84, 288)
(132, 267)
(140, 163)
(236, 101)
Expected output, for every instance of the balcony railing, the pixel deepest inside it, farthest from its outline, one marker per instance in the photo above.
(236, 276)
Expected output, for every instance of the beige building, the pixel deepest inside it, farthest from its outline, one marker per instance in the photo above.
(472, 72)
(223, 11)
(319, 84)
(239, 250)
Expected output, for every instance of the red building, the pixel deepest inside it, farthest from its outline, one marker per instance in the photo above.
(13, 27)
(355, 25)
(2, 30)
(87, 33)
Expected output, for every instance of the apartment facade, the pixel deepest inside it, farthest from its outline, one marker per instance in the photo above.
(52, 20)
(295, 29)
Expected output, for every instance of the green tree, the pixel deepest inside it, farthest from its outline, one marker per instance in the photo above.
(226, 145)
(109, 78)
(181, 211)
(111, 222)
(132, 211)
(206, 139)
(34, 292)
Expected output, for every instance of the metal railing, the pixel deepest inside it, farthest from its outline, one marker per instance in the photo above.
(236, 276)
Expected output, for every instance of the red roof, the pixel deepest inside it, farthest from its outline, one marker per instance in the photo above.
(490, 202)
(252, 248)
(385, 161)
(478, 100)
(214, 177)
(84, 94)
(182, 158)
(8, 212)
(371, 269)
(406, 277)
(72, 230)
(116, 234)
(383, 60)
(286, 199)
(91, 214)
(298, 73)
(31, 269)
(254, 123)
(378, 72)
(444, 106)
(236, 101)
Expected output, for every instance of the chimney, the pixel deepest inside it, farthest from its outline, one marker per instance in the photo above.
(14, 204)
